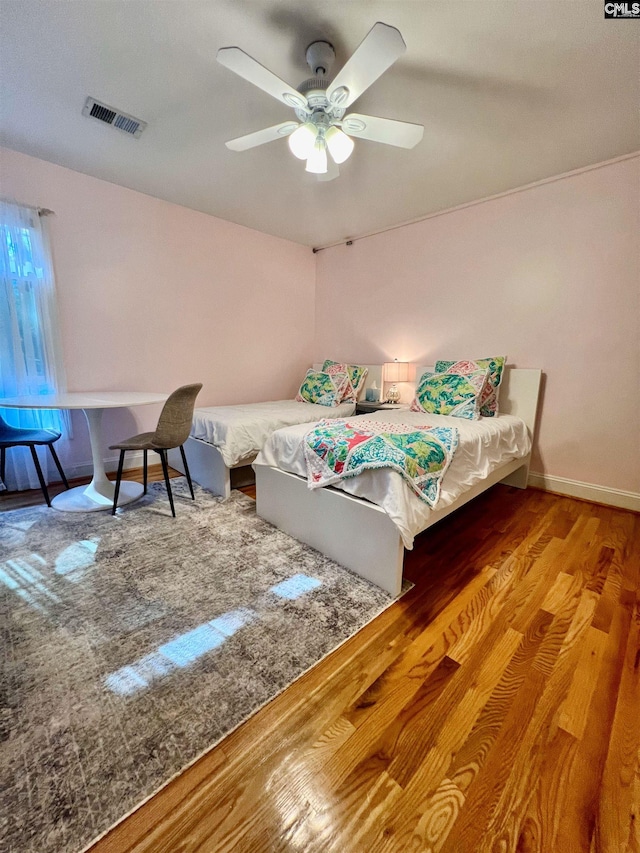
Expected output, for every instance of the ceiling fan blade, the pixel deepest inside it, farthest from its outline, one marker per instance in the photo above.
(259, 137)
(376, 52)
(404, 134)
(246, 66)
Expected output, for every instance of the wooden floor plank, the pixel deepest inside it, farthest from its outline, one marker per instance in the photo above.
(574, 711)
(618, 823)
(384, 733)
(455, 728)
(546, 641)
(471, 759)
(572, 808)
(500, 812)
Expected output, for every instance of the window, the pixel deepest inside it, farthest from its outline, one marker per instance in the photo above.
(26, 277)
(30, 361)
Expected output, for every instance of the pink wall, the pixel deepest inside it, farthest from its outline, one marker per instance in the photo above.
(153, 295)
(549, 275)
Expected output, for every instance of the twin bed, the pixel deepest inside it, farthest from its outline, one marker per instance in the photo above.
(225, 439)
(364, 522)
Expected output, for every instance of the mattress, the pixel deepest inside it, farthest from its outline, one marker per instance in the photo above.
(483, 446)
(240, 431)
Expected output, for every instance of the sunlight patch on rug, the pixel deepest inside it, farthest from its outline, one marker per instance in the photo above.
(132, 643)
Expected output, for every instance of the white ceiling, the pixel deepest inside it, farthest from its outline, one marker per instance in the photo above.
(509, 92)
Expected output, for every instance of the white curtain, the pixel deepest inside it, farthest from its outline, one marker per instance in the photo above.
(30, 352)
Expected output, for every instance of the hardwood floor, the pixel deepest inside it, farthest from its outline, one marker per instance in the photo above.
(495, 707)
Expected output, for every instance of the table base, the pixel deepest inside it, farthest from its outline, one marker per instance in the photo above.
(89, 499)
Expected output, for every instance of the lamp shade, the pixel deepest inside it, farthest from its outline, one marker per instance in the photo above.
(317, 159)
(396, 371)
(302, 140)
(339, 144)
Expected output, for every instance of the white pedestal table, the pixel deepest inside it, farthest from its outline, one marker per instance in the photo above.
(99, 493)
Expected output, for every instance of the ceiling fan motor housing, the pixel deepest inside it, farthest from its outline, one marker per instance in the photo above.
(313, 85)
(320, 56)
(315, 91)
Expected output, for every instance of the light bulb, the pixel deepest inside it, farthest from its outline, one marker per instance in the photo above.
(317, 160)
(339, 144)
(302, 140)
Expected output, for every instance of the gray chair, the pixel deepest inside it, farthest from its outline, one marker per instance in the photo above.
(174, 426)
(11, 436)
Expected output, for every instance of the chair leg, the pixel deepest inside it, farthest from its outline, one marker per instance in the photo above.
(144, 471)
(118, 478)
(58, 465)
(186, 471)
(165, 469)
(43, 485)
(3, 460)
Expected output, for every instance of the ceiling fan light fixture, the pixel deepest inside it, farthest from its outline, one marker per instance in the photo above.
(320, 105)
(302, 140)
(339, 144)
(317, 159)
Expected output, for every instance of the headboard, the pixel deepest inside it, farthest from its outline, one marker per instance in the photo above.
(519, 392)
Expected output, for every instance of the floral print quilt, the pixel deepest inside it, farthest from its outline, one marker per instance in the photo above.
(338, 449)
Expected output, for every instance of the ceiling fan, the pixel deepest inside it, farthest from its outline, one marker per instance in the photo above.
(320, 105)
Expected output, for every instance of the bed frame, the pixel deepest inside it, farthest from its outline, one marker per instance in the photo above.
(207, 467)
(360, 535)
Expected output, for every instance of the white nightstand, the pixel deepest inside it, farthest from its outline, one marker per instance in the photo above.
(363, 407)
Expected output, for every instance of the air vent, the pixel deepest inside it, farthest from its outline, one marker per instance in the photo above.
(116, 118)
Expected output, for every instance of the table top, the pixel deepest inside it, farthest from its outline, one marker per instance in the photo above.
(83, 400)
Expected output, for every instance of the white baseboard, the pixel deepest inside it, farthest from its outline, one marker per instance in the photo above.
(586, 491)
(557, 485)
(132, 459)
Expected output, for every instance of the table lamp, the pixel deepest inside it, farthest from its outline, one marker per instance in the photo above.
(395, 371)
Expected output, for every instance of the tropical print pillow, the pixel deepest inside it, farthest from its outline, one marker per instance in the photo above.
(491, 390)
(454, 394)
(325, 389)
(355, 373)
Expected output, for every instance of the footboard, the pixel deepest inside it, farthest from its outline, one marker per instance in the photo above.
(355, 533)
(206, 466)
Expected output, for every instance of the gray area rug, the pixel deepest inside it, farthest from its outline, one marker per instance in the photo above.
(131, 644)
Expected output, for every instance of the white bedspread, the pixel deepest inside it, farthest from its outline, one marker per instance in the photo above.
(484, 445)
(241, 431)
